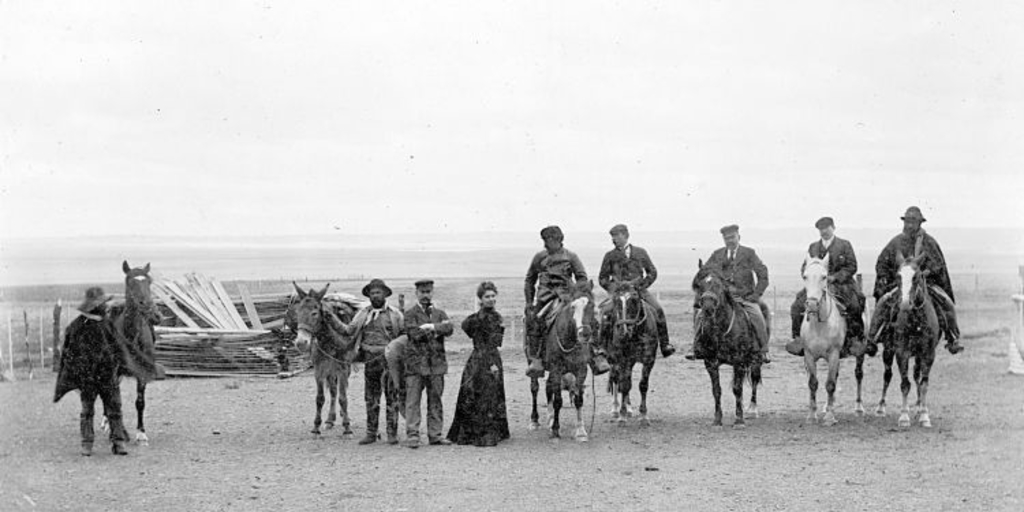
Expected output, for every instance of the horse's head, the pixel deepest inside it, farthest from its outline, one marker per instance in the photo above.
(582, 307)
(911, 281)
(815, 276)
(628, 308)
(306, 315)
(136, 285)
(709, 286)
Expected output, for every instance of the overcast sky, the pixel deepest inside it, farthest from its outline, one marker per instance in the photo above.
(213, 118)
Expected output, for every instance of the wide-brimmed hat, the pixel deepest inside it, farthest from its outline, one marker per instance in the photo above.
(376, 283)
(913, 213)
(94, 296)
(825, 222)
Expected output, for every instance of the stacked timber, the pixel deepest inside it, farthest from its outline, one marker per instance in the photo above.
(208, 333)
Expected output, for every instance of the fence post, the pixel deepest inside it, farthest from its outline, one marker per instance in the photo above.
(10, 346)
(42, 343)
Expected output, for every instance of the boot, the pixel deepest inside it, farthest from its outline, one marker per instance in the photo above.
(599, 364)
(369, 438)
(796, 345)
(118, 448)
(536, 368)
(86, 449)
(693, 354)
(954, 347)
(667, 348)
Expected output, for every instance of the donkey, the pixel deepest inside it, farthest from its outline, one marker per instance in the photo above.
(331, 352)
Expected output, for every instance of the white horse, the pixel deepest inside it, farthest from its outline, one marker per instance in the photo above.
(823, 331)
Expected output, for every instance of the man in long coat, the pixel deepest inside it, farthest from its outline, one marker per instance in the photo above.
(842, 271)
(91, 361)
(913, 241)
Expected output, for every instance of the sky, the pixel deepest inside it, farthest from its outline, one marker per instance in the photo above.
(268, 118)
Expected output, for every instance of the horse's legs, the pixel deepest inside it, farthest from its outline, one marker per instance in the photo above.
(830, 387)
(737, 392)
(858, 371)
(534, 415)
(645, 380)
(716, 390)
(554, 394)
(625, 386)
(332, 386)
(811, 366)
(346, 423)
(887, 356)
(140, 408)
(903, 361)
(613, 389)
(755, 381)
(319, 406)
(577, 391)
(922, 368)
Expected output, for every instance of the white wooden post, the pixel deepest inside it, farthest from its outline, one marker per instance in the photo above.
(42, 342)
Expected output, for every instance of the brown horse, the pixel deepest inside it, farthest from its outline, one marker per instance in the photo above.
(567, 354)
(634, 339)
(331, 352)
(726, 336)
(133, 328)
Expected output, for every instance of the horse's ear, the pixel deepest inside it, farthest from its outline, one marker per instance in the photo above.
(146, 268)
(125, 266)
(700, 263)
(824, 261)
(302, 294)
(590, 285)
(900, 259)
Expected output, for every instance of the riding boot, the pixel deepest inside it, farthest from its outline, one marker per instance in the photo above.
(534, 335)
(952, 332)
(598, 361)
(796, 315)
(667, 348)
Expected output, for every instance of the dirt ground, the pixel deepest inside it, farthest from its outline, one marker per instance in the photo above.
(244, 444)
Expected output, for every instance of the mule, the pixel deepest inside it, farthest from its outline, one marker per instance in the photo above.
(567, 355)
(330, 351)
(726, 337)
(914, 334)
(823, 330)
(634, 338)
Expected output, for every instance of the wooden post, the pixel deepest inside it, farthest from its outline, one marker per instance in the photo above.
(57, 309)
(42, 344)
(28, 349)
(10, 345)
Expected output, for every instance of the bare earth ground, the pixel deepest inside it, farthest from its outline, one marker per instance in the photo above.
(243, 444)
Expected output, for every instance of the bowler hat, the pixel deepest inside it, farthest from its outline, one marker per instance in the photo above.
(913, 213)
(550, 232)
(619, 228)
(731, 228)
(825, 222)
(376, 283)
(93, 297)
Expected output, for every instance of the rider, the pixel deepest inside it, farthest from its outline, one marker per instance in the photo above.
(740, 266)
(551, 274)
(911, 242)
(842, 269)
(629, 264)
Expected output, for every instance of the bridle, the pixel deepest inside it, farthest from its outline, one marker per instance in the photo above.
(622, 317)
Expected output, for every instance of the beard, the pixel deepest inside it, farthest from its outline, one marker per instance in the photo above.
(377, 303)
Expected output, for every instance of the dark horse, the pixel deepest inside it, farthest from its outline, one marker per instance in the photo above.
(726, 336)
(567, 354)
(633, 339)
(914, 332)
(133, 328)
(331, 351)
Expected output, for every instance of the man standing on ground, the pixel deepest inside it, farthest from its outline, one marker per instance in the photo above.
(425, 365)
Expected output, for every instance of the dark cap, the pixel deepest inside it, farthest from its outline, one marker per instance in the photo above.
(913, 213)
(93, 297)
(825, 222)
(554, 232)
(619, 228)
(731, 228)
(424, 283)
(376, 283)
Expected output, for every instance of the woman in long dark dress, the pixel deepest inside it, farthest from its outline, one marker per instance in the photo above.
(480, 415)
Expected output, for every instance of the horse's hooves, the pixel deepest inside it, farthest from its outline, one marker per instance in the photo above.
(880, 411)
(533, 426)
(829, 420)
(904, 421)
(739, 426)
(753, 412)
(582, 439)
(554, 435)
(859, 410)
(347, 435)
(328, 425)
(926, 421)
(315, 431)
(717, 425)
(141, 439)
(645, 421)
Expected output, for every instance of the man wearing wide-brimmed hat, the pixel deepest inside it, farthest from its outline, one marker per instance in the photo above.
(372, 328)
(842, 272)
(90, 362)
(913, 242)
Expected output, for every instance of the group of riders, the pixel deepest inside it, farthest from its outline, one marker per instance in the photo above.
(554, 271)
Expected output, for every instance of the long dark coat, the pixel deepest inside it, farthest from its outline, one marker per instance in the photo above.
(91, 357)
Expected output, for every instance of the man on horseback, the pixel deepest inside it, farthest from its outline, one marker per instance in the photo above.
(628, 264)
(747, 279)
(841, 278)
(551, 274)
(911, 242)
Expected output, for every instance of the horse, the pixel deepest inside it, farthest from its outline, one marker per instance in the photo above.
(633, 339)
(133, 327)
(914, 333)
(727, 336)
(823, 336)
(567, 356)
(331, 352)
